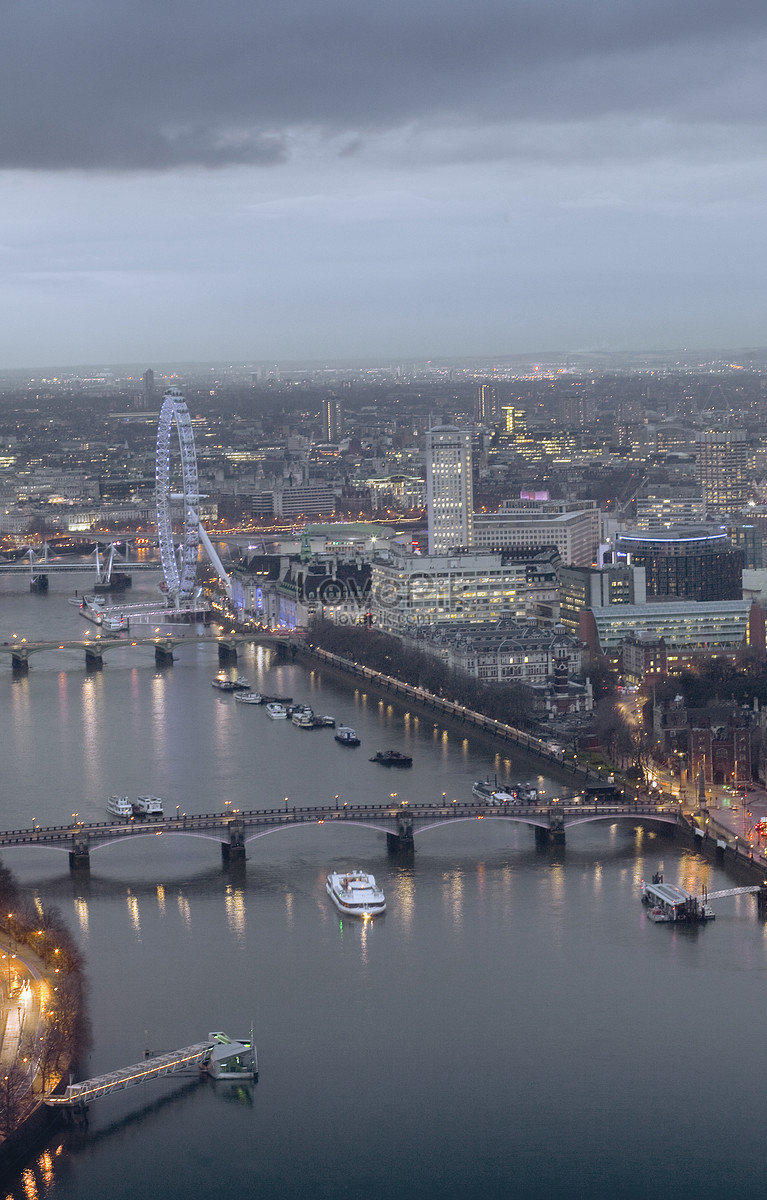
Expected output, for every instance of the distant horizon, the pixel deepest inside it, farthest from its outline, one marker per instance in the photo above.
(687, 358)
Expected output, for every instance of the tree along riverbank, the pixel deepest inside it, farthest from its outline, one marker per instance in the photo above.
(43, 975)
(461, 713)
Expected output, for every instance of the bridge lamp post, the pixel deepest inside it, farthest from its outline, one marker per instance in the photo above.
(286, 804)
(336, 801)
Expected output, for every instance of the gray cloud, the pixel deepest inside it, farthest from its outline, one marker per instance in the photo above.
(130, 85)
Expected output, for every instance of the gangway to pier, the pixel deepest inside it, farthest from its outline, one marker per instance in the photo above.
(738, 891)
(79, 1094)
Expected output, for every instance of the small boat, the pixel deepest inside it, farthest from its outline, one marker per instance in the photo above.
(115, 624)
(392, 758)
(303, 718)
(249, 698)
(120, 806)
(224, 685)
(328, 722)
(657, 915)
(148, 806)
(356, 894)
(491, 793)
(230, 685)
(277, 712)
(346, 736)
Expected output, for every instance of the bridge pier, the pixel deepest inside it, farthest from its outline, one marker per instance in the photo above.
(79, 855)
(94, 659)
(402, 841)
(227, 653)
(163, 655)
(234, 849)
(20, 663)
(554, 835)
(761, 900)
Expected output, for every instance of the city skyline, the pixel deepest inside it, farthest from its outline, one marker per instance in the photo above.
(400, 182)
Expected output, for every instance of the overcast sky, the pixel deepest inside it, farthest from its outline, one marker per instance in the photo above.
(312, 179)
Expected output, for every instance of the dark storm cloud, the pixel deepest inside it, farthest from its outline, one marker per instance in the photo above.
(131, 85)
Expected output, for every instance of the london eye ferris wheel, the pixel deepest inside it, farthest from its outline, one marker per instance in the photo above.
(176, 481)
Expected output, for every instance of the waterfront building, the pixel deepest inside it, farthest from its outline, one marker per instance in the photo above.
(721, 468)
(412, 591)
(326, 587)
(506, 651)
(693, 563)
(708, 626)
(595, 587)
(571, 527)
(449, 489)
(312, 499)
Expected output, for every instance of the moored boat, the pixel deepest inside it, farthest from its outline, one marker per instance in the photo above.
(277, 712)
(302, 717)
(230, 685)
(120, 806)
(346, 736)
(392, 758)
(249, 698)
(148, 806)
(356, 894)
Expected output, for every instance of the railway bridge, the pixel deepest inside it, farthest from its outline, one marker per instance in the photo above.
(400, 823)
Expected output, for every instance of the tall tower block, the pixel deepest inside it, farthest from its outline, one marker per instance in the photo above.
(449, 492)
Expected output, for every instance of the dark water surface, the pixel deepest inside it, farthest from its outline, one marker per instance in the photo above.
(513, 1026)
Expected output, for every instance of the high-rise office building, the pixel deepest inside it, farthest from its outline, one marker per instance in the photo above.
(486, 404)
(449, 491)
(148, 383)
(721, 468)
(331, 419)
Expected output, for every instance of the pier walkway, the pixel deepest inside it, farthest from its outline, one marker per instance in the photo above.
(77, 1095)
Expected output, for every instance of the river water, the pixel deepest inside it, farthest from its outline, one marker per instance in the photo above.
(513, 1026)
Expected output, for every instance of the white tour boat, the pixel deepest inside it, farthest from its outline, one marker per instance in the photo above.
(249, 698)
(115, 624)
(277, 712)
(148, 806)
(491, 793)
(356, 894)
(120, 806)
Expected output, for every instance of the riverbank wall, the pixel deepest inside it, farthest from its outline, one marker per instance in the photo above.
(467, 718)
(707, 836)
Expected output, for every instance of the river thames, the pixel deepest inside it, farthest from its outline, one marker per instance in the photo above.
(514, 1025)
